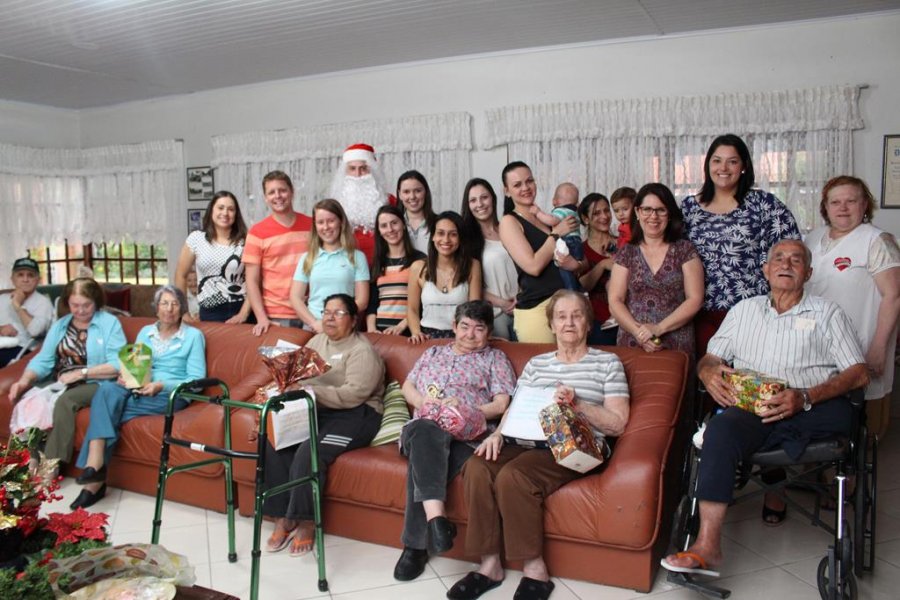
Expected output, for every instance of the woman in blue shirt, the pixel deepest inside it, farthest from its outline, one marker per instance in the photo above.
(178, 355)
(79, 349)
(332, 265)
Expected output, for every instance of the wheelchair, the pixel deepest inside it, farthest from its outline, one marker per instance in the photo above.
(852, 552)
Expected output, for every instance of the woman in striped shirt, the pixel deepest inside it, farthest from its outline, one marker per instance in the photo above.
(394, 253)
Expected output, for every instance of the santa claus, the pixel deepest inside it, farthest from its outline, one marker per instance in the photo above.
(359, 186)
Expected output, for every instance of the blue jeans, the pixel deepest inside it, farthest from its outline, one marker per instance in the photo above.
(576, 251)
(112, 407)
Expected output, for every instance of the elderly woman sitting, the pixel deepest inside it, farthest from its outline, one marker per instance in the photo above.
(178, 355)
(348, 399)
(464, 372)
(506, 486)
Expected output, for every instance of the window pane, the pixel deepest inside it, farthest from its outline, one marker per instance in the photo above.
(98, 251)
(99, 270)
(128, 275)
(76, 251)
(114, 272)
(57, 251)
(128, 250)
(162, 272)
(160, 251)
(144, 250)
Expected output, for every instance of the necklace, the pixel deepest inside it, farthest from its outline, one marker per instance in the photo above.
(447, 280)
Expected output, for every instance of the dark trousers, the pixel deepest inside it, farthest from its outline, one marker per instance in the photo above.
(735, 434)
(339, 431)
(7, 354)
(222, 312)
(434, 460)
(576, 251)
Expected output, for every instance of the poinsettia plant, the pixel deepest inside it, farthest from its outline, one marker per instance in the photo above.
(27, 540)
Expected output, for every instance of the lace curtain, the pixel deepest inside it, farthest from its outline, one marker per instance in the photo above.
(798, 140)
(437, 145)
(108, 194)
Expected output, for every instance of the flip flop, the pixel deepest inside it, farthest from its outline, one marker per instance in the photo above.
(277, 544)
(700, 569)
(472, 586)
(772, 517)
(301, 546)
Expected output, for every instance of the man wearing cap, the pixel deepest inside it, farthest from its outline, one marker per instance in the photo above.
(359, 186)
(25, 315)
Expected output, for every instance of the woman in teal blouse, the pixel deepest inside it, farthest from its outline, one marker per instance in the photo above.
(179, 355)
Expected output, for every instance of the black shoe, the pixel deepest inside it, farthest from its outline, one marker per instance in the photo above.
(472, 586)
(91, 475)
(440, 535)
(411, 564)
(86, 498)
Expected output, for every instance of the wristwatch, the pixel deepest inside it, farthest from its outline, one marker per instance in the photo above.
(807, 403)
(84, 373)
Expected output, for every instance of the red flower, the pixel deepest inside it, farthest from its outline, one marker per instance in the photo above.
(78, 525)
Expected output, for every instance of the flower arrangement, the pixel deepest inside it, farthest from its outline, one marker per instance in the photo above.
(27, 540)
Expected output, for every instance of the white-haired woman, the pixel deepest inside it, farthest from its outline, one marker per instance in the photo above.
(179, 355)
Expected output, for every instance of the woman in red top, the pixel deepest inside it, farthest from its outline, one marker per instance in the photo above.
(599, 248)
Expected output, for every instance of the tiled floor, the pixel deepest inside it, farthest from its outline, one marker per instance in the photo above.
(760, 562)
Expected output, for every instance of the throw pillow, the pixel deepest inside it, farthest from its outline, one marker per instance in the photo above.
(395, 416)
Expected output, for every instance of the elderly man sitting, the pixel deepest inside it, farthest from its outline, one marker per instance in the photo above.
(466, 371)
(807, 341)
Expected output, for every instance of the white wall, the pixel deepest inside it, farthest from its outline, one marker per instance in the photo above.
(38, 126)
(850, 50)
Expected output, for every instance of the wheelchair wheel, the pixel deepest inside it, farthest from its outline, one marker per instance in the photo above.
(848, 590)
(684, 525)
(864, 508)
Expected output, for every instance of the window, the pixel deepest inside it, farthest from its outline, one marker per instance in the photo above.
(115, 263)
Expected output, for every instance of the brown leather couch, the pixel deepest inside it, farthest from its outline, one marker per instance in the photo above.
(609, 527)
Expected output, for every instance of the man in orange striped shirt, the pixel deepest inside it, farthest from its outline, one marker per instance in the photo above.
(271, 254)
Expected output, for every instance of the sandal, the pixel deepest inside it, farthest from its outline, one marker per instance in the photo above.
(276, 542)
(701, 568)
(772, 517)
(301, 546)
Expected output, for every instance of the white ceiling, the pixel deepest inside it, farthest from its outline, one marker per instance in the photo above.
(88, 53)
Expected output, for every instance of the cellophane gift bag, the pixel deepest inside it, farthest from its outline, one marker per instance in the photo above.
(136, 365)
(571, 438)
(754, 390)
(289, 366)
(463, 421)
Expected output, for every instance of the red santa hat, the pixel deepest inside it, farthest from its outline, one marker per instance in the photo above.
(359, 152)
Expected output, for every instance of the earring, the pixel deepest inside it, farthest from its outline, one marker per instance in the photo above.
(742, 172)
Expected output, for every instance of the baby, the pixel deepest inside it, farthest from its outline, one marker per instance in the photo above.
(565, 205)
(622, 201)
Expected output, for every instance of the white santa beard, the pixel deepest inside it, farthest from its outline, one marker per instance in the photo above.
(361, 200)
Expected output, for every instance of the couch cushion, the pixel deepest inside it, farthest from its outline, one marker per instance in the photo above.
(373, 476)
(394, 417)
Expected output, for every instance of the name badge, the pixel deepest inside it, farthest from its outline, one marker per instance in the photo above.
(337, 357)
(801, 324)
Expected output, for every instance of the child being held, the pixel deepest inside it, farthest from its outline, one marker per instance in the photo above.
(622, 202)
(565, 205)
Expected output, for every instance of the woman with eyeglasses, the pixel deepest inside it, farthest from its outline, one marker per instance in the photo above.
(348, 412)
(656, 285)
(732, 225)
(178, 354)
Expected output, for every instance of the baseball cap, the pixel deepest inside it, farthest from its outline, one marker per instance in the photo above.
(26, 263)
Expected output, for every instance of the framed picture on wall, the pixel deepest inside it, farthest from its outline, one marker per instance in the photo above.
(200, 183)
(195, 219)
(890, 172)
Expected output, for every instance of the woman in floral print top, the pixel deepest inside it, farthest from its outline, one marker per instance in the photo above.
(732, 226)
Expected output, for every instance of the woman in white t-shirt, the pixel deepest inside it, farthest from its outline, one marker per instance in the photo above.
(216, 252)
(501, 283)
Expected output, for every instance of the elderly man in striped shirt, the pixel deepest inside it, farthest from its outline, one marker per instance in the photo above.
(805, 340)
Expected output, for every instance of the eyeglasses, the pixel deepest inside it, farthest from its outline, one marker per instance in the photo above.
(646, 211)
(337, 314)
(168, 304)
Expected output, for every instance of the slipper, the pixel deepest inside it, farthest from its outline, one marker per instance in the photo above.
(277, 543)
(700, 569)
(301, 546)
(772, 517)
(472, 586)
(533, 589)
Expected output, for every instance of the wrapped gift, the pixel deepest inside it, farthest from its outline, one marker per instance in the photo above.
(571, 438)
(289, 366)
(754, 390)
(463, 421)
(136, 364)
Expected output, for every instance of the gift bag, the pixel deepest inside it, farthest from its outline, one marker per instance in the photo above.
(289, 365)
(463, 421)
(35, 408)
(754, 390)
(571, 438)
(136, 368)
